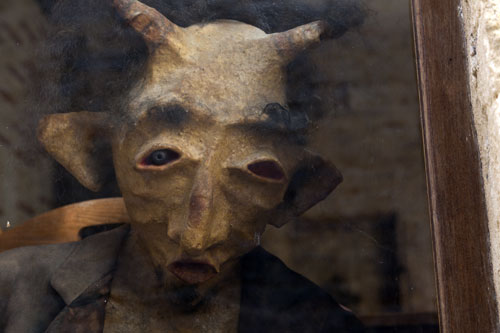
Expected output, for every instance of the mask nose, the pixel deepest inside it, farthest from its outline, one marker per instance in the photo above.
(201, 231)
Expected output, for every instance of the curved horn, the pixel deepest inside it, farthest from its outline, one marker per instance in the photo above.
(290, 43)
(153, 26)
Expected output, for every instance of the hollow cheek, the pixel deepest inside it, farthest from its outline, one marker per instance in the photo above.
(254, 198)
(248, 226)
(144, 211)
(154, 237)
(152, 197)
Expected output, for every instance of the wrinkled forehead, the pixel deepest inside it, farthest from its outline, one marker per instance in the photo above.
(221, 101)
(178, 110)
(162, 107)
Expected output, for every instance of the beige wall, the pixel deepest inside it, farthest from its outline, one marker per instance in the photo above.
(482, 29)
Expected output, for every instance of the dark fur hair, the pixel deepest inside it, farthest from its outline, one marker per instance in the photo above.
(93, 57)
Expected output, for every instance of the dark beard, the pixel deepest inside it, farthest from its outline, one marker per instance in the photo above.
(187, 298)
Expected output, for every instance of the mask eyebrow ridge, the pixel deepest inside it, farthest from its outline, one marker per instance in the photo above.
(276, 118)
(173, 114)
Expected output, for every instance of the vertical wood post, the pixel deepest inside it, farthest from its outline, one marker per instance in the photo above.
(466, 293)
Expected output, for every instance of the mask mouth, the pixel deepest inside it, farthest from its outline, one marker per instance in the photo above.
(192, 272)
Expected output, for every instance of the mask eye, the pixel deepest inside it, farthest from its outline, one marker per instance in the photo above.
(160, 157)
(267, 169)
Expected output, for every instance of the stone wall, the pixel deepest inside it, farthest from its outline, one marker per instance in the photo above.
(25, 182)
(482, 30)
(372, 134)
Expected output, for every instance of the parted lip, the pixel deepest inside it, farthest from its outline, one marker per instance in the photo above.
(192, 271)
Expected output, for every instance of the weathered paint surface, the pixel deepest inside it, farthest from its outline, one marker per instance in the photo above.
(482, 30)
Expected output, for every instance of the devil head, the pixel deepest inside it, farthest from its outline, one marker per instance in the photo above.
(205, 149)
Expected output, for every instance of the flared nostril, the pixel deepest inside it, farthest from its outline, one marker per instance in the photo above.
(174, 235)
(192, 247)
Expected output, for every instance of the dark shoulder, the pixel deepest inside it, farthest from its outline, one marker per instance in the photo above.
(30, 264)
(26, 296)
(44, 259)
(283, 299)
(33, 257)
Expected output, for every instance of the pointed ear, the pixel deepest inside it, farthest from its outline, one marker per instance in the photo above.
(310, 184)
(76, 141)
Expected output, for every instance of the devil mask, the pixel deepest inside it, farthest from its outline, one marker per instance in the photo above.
(205, 149)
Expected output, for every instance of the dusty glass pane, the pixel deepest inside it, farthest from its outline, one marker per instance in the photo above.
(378, 216)
(367, 244)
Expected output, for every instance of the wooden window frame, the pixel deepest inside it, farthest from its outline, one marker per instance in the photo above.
(464, 274)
